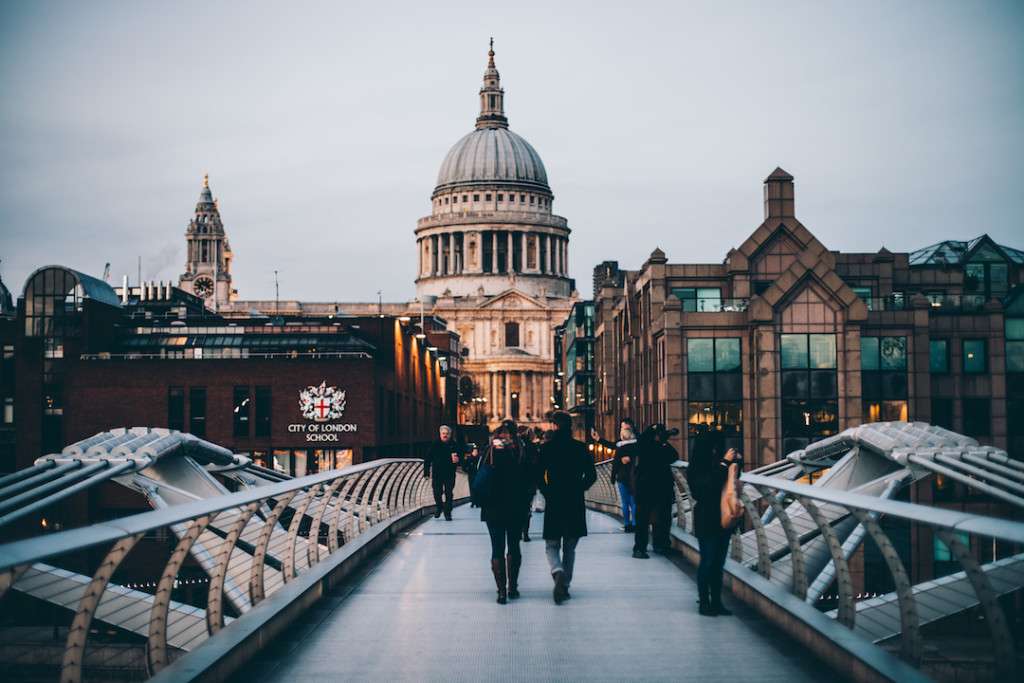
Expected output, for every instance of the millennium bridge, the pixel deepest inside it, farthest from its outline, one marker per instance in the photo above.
(243, 573)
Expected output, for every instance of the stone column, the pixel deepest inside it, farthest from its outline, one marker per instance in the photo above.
(451, 253)
(565, 257)
(509, 261)
(536, 251)
(547, 247)
(508, 394)
(522, 251)
(494, 251)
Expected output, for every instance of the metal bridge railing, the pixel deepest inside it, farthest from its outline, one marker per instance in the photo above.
(801, 538)
(125, 598)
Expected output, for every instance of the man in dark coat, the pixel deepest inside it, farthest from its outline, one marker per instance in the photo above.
(655, 489)
(566, 472)
(442, 459)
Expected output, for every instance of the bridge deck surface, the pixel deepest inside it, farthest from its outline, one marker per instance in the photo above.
(425, 611)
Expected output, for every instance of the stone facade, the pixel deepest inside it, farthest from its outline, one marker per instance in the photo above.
(786, 341)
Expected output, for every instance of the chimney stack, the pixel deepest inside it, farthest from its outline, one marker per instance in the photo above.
(778, 195)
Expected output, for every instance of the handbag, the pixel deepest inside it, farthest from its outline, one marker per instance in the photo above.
(483, 483)
(731, 507)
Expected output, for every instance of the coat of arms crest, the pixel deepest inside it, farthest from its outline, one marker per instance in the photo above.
(322, 403)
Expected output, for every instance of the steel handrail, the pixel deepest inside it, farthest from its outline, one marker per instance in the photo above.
(40, 547)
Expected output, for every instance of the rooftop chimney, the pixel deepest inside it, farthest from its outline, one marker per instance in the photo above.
(778, 195)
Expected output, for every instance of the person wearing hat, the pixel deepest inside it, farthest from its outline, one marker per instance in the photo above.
(655, 489)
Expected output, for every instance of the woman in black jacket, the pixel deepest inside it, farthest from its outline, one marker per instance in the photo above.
(503, 510)
(706, 475)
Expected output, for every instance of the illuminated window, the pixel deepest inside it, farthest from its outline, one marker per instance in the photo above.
(715, 388)
(974, 356)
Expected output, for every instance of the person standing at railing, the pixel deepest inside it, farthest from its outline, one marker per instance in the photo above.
(706, 475)
(655, 489)
(440, 464)
(567, 471)
(623, 473)
(507, 488)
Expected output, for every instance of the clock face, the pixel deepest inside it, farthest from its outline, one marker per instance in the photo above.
(203, 287)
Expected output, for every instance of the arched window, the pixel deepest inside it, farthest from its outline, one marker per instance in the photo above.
(511, 334)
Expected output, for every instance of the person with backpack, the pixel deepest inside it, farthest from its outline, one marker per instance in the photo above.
(502, 488)
(707, 474)
(566, 472)
(655, 489)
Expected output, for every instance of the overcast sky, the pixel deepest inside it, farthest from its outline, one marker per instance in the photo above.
(323, 126)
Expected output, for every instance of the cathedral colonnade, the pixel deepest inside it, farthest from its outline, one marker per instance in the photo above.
(495, 251)
(519, 394)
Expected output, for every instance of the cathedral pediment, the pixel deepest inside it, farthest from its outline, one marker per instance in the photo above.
(514, 299)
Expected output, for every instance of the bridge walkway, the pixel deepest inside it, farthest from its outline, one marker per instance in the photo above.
(425, 611)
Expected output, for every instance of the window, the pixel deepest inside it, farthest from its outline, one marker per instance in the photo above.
(531, 198)
(241, 411)
(476, 198)
(864, 293)
(501, 197)
(176, 408)
(511, 334)
(942, 413)
(487, 197)
(977, 417)
(714, 388)
(465, 198)
(883, 353)
(883, 362)
(197, 411)
(263, 411)
(810, 409)
(1015, 344)
(522, 199)
(8, 416)
(938, 356)
(699, 299)
(974, 356)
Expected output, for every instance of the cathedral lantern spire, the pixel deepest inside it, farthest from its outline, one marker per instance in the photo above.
(492, 97)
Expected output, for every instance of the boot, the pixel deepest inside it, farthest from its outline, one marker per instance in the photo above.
(526, 535)
(558, 594)
(498, 569)
(513, 575)
(717, 608)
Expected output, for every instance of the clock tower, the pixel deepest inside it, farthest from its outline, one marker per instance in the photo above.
(208, 265)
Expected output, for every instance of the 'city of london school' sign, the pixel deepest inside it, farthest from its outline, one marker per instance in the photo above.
(322, 406)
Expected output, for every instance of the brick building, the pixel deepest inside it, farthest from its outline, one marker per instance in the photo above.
(89, 357)
(786, 341)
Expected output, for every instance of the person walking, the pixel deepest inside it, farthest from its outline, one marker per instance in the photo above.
(566, 472)
(655, 489)
(502, 510)
(624, 470)
(440, 463)
(707, 473)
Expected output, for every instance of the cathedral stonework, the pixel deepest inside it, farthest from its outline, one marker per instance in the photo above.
(208, 264)
(493, 262)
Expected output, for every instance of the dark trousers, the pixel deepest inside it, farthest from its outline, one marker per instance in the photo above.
(713, 549)
(443, 487)
(504, 535)
(656, 512)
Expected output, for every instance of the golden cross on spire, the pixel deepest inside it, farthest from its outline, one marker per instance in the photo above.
(206, 180)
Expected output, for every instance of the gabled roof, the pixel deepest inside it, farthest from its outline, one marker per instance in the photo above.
(956, 252)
